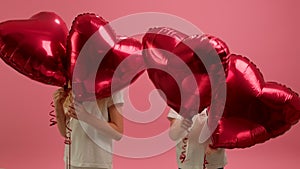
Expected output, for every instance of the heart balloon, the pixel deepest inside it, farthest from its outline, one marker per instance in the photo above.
(208, 66)
(122, 65)
(95, 53)
(36, 47)
(180, 66)
(158, 44)
(255, 110)
(84, 27)
(221, 48)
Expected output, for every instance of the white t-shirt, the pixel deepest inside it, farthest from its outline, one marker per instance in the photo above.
(194, 151)
(189, 152)
(217, 159)
(89, 148)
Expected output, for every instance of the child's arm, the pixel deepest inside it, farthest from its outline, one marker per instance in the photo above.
(116, 119)
(59, 98)
(112, 129)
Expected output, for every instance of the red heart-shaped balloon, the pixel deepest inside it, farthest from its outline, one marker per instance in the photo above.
(84, 27)
(255, 110)
(181, 64)
(36, 47)
(158, 44)
(96, 53)
(121, 66)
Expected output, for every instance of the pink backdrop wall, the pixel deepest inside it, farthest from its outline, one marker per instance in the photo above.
(264, 31)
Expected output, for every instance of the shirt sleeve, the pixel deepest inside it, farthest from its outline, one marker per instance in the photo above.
(173, 114)
(116, 98)
(204, 113)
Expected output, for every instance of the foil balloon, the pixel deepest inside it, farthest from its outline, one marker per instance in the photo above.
(255, 110)
(35, 47)
(84, 27)
(178, 60)
(158, 44)
(122, 65)
(208, 65)
(221, 48)
(95, 53)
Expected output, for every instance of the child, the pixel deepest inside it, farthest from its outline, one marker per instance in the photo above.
(215, 158)
(94, 125)
(190, 153)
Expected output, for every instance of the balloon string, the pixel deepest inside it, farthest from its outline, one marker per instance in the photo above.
(205, 161)
(68, 134)
(182, 156)
(52, 115)
(68, 143)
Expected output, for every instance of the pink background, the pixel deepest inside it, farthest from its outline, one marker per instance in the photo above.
(264, 31)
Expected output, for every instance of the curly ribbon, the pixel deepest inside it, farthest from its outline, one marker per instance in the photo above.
(68, 143)
(205, 161)
(182, 156)
(51, 113)
(68, 134)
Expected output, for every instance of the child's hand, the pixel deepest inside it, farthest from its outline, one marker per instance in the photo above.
(78, 112)
(180, 128)
(186, 124)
